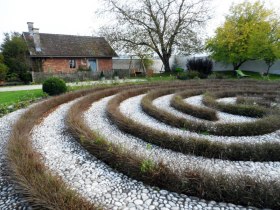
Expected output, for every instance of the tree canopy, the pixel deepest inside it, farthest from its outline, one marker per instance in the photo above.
(14, 51)
(247, 34)
(265, 43)
(162, 27)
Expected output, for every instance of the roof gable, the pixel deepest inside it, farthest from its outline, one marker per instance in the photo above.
(59, 45)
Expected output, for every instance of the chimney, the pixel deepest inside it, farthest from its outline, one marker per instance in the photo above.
(36, 38)
(30, 27)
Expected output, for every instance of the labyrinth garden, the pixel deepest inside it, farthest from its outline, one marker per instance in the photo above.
(198, 144)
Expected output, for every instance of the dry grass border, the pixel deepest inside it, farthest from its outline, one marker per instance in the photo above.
(210, 99)
(39, 186)
(240, 190)
(266, 101)
(261, 126)
(197, 146)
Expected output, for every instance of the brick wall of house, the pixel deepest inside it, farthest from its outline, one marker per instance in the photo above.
(105, 64)
(61, 65)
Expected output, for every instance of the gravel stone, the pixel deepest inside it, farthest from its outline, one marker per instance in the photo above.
(65, 157)
(9, 198)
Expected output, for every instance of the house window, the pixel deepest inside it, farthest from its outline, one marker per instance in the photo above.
(72, 63)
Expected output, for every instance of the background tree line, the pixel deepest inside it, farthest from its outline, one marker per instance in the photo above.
(14, 65)
(250, 32)
(168, 27)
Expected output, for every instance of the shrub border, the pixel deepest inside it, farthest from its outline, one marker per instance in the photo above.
(178, 103)
(241, 190)
(189, 145)
(271, 123)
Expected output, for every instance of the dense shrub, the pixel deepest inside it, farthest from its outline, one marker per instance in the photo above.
(54, 86)
(179, 70)
(26, 77)
(3, 71)
(203, 66)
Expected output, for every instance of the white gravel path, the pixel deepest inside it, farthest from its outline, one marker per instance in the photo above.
(227, 100)
(197, 101)
(176, 161)
(96, 181)
(163, 103)
(9, 199)
(132, 108)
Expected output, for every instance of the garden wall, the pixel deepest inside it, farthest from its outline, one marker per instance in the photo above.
(255, 66)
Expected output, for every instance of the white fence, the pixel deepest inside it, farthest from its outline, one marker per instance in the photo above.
(255, 66)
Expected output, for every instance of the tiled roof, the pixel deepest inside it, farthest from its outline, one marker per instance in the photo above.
(59, 45)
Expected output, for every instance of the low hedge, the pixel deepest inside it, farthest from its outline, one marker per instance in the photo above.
(34, 180)
(177, 102)
(210, 99)
(240, 189)
(261, 126)
(189, 145)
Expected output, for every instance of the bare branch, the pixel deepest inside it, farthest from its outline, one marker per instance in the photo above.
(158, 25)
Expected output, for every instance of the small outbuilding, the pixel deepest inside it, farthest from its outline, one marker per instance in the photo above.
(59, 53)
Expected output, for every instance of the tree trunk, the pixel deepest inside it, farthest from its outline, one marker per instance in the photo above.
(236, 67)
(165, 61)
(268, 67)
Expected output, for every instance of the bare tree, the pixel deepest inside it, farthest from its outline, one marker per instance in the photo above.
(160, 26)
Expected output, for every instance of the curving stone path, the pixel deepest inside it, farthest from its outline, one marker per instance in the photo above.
(95, 180)
(176, 161)
(9, 199)
(227, 100)
(132, 109)
(163, 103)
(102, 185)
(223, 117)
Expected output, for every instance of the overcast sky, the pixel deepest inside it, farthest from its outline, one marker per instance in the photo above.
(77, 17)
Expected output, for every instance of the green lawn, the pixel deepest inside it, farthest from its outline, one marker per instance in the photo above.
(8, 98)
(253, 75)
(11, 97)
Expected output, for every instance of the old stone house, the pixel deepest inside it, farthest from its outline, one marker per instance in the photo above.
(58, 53)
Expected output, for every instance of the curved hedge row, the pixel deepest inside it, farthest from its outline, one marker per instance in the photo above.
(192, 181)
(261, 126)
(197, 146)
(178, 103)
(210, 99)
(41, 188)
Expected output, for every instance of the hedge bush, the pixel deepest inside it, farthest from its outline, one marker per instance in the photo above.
(203, 66)
(54, 86)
